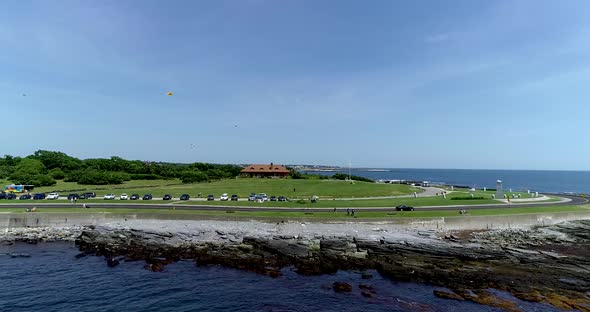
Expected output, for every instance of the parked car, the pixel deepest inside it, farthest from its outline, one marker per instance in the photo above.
(273, 198)
(210, 197)
(263, 196)
(134, 197)
(224, 196)
(25, 196)
(53, 195)
(88, 195)
(39, 196)
(404, 208)
(185, 197)
(3, 195)
(252, 197)
(10, 196)
(282, 198)
(167, 197)
(73, 196)
(234, 197)
(109, 196)
(124, 196)
(147, 197)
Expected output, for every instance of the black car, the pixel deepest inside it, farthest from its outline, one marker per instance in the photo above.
(134, 197)
(3, 195)
(147, 196)
(166, 197)
(39, 196)
(210, 197)
(273, 198)
(25, 196)
(282, 198)
(404, 208)
(10, 196)
(234, 197)
(185, 197)
(73, 196)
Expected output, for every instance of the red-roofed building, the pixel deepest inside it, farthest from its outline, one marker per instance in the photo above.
(265, 171)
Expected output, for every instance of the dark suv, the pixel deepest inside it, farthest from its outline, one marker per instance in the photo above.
(234, 197)
(10, 196)
(25, 196)
(2, 195)
(87, 195)
(185, 197)
(134, 197)
(73, 196)
(210, 197)
(39, 196)
(147, 196)
(167, 197)
(273, 198)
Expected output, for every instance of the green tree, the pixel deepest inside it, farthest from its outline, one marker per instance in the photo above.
(193, 177)
(57, 173)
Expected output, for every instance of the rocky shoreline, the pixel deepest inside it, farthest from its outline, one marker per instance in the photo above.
(544, 264)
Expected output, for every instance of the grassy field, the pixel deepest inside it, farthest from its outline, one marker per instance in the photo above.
(242, 187)
(319, 215)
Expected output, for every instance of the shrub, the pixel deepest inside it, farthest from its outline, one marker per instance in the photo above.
(342, 176)
(467, 197)
(192, 177)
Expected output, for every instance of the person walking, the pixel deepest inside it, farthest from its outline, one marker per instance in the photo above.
(352, 212)
(348, 211)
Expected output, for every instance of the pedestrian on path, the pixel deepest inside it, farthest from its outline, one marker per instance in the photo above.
(352, 212)
(348, 211)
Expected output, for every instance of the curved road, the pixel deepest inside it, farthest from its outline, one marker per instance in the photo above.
(574, 200)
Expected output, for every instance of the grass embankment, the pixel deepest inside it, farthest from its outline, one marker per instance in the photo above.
(340, 214)
(242, 187)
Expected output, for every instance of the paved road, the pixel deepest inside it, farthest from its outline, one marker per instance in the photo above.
(575, 200)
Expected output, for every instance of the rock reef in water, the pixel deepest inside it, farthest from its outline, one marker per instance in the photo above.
(546, 264)
(549, 264)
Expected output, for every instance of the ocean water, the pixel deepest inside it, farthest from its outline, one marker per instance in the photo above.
(53, 280)
(519, 180)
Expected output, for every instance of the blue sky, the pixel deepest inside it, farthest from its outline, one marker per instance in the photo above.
(417, 84)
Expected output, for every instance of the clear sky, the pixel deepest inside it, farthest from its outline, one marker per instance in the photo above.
(419, 84)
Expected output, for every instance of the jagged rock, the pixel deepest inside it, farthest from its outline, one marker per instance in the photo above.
(112, 262)
(341, 287)
(447, 295)
(518, 261)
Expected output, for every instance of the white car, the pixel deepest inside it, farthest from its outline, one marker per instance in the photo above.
(224, 197)
(124, 196)
(263, 196)
(53, 196)
(109, 196)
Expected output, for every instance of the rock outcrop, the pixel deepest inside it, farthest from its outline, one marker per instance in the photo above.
(546, 264)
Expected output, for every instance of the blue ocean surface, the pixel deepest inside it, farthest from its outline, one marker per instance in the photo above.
(52, 279)
(519, 180)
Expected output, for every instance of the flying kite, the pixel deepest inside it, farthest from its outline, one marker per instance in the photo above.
(170, 93)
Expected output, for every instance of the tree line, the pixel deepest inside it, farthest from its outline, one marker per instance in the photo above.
(43, 168)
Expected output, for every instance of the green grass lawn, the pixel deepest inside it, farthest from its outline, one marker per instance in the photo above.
(320, 215)
(242, 187)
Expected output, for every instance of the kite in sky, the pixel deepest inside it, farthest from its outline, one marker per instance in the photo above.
(170, 93)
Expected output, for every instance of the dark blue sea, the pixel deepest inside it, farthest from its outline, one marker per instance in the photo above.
(519, 180)
(52, 279)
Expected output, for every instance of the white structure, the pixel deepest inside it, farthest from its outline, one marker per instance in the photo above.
(499, 192)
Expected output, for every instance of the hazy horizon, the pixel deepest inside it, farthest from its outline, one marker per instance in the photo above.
(495, 85)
